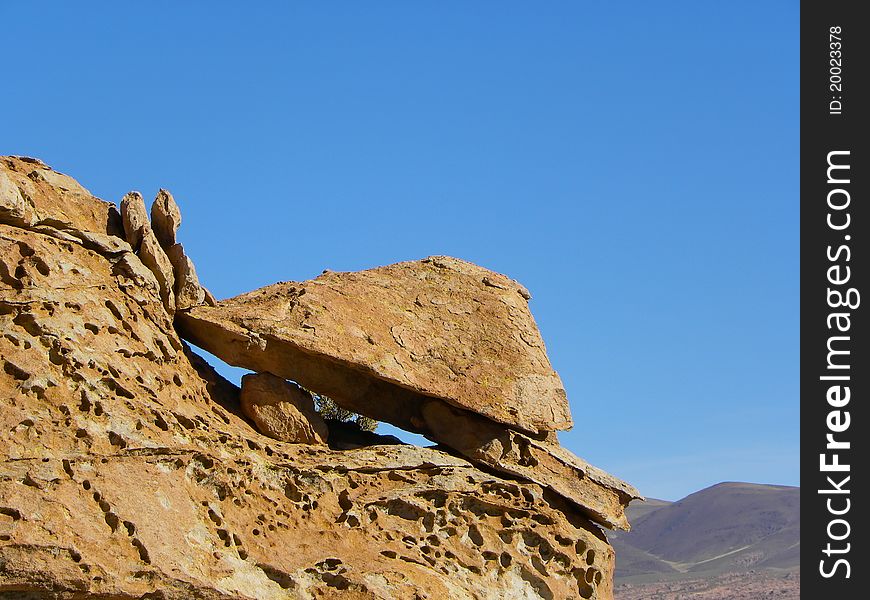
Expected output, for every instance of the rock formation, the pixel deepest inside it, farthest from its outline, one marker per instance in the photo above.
(129, 468)
(188, 291)
(437, 328)
(165, 218)
(440, 346)
(142, 240)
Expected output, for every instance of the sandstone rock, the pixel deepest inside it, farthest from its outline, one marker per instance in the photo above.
(282, 410)
(135, 218)
(188, 291)
(153, 257)
(310, 333)
(59, 181)
(209, 297)
(13, 209)
(439, 327)
(219, 390)
(129, 267)
(68, 207)
(165, 218)
(598, 493)
(155, 242)
(124, 474)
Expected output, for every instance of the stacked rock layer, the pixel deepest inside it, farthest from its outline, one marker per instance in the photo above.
(131, 468)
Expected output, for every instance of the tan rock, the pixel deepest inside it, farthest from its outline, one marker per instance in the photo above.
(439, 327)
(188, 291)
(135, 218)
(68, 207)
(153, 257)
(296, 331)
(13, 209)
(601, 495)
(125, 477)
(209, 297)
(59, 181)
(126, 471)
(282, 410)
(129, 267)
(165, 218)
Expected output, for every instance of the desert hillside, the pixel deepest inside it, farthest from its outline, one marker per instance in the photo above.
(740, 537)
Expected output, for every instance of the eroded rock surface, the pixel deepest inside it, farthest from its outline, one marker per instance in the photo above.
(134, 215)
(165, 218)
(28, 199)
(601, 495)
(188, 291)
(127, 469)
(137, 229)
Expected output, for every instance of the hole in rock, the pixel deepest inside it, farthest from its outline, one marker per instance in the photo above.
(234, 375)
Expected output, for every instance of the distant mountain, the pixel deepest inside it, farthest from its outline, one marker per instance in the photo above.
(728, 527)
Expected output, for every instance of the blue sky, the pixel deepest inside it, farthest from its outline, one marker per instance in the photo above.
(634, 165)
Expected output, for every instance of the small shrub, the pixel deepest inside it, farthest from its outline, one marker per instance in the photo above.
(329, 410)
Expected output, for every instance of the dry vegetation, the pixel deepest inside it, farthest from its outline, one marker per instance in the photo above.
(751, 585)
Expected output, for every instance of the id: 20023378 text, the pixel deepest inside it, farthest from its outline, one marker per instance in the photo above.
(835, 69)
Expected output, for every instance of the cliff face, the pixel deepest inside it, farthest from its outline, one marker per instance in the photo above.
(128, 469)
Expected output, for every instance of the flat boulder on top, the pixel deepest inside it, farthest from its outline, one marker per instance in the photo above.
(380, 341)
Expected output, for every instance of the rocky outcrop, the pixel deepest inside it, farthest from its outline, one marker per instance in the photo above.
(154, 242)
(165, 221)
(130, 470)
(165, 218)
(602, 496)
(439, 346)
(134, 215)
(188, 292)
(143, 241)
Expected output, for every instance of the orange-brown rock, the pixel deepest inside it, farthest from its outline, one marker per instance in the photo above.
(188, 291)
(33, 195)
(601, 495)
(165, 218)
(134, 215)
(153, 257)
(154, 241)
(376, 342)
(439, 327)
(127, 470)
(137, 229)
(282, 410)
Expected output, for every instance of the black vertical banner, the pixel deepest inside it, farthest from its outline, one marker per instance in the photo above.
(835, 299)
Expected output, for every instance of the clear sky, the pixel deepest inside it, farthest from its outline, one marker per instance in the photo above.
(634, 164)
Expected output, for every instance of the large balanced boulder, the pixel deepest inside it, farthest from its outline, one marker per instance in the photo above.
(129, 470)
(438, 346)
(378, 341)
